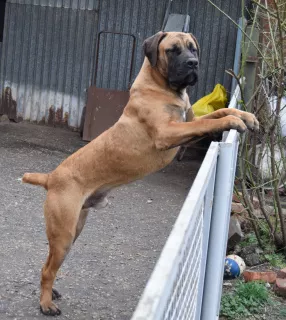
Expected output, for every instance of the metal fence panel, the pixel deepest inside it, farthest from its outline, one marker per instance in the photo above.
(174, 289)
(187, 280)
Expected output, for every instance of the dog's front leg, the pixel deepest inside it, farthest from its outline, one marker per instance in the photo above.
(248, 118)
(175, 134)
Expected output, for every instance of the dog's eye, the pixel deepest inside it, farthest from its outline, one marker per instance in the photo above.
(174, 49)
(192, 49)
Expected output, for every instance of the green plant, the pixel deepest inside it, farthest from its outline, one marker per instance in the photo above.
(282, 312)
(276, 260)
(246, 300)
(249, 240)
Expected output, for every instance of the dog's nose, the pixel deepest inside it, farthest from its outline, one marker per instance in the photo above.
(192, 63)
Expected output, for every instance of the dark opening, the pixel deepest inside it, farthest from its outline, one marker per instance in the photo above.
(2, 16)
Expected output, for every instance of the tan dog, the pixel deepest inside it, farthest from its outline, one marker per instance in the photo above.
(144, 140)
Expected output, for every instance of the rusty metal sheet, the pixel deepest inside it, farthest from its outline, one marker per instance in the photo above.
(105, 104)
(104, 108)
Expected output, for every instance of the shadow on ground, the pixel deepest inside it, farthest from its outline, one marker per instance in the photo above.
(108, 267)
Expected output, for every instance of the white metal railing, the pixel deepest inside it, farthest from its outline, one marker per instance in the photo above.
(225, 173)
(187, 280)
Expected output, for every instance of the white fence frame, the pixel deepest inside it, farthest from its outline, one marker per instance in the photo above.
(187, 280)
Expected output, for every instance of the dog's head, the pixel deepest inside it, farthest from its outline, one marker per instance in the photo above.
(176, 57)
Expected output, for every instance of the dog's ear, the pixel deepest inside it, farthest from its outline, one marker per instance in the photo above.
(197, 44)
(151, 45)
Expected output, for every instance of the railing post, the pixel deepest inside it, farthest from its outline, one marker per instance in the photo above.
(225, 172)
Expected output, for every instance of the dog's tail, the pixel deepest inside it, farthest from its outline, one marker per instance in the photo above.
(39, 179)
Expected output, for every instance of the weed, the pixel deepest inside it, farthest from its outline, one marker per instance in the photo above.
(246, 300)
(276, 260)
(282, 312)
(249, 239)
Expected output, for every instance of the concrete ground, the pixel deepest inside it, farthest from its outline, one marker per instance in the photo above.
(108, 267)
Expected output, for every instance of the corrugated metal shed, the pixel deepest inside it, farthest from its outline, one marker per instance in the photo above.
(48, 52)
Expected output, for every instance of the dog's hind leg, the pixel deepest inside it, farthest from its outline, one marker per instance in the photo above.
(81, 222)
(97, 200)
(62, 214)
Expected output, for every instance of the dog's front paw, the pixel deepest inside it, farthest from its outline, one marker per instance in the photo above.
(233, 122)
(250, 120)
(49, 309)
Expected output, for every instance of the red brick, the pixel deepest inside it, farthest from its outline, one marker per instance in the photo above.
(237, 207)
(255, 202)
(281, 274)
(267, 276)
(280, 287)
(235, 198)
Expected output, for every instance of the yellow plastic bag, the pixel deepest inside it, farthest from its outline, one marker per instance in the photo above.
(213, 101)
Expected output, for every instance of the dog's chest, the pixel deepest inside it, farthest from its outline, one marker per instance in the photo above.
(176, 112)
(184, 115)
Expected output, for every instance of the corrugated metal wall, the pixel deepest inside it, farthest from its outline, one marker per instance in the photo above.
(73, 4)
(215, 33)
(48, 57)
(141, 18)
(217, 37)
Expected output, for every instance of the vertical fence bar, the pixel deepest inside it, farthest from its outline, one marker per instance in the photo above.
(219, 226)
(208, 205)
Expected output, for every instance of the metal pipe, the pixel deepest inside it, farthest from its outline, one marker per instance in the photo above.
(166, 14)
(236, 63)
(186, 27)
